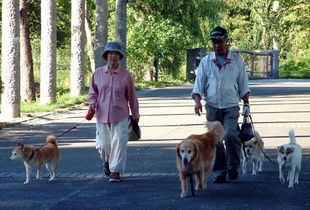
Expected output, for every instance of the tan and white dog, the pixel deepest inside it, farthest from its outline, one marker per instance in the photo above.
(34, 157)
(195, 156)
(289, 159)
(252, 151)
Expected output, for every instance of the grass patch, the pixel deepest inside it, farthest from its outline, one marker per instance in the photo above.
(6, 125)
(64, 102)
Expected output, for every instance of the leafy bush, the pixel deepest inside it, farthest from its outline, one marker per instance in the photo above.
(296, 66)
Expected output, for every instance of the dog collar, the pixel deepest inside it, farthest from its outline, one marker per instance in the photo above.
(31, 155)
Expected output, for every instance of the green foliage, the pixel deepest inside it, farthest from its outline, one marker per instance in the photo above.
(165, 30)
(1, 87)
(63, 24)
(260, 25)
(298, 68)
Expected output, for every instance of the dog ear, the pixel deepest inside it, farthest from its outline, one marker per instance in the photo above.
(195, 152)
(281, 149)
(178, 150)
(290, 150)
(255, 141)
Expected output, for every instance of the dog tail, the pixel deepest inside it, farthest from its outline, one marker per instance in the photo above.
(51, 139)
(217, 129)
(292, 136)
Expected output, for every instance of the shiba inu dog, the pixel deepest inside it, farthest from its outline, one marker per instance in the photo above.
(289, 159)
(33, 157)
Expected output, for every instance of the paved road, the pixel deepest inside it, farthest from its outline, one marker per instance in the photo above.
(151, 181)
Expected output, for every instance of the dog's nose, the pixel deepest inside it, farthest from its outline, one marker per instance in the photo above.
(284, 158)
(185, 160)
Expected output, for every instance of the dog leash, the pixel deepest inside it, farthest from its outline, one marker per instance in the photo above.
(70, 129)
(261, 147)
(266, 155)
(258, 145)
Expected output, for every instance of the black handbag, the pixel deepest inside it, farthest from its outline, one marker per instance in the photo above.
(134, 130)
(247, 129)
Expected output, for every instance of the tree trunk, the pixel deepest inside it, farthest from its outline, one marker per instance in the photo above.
(48, 52)
(10, 107)
(102, 12)
(77, 47)
(26, 64)
(121, 15)
(90, 43)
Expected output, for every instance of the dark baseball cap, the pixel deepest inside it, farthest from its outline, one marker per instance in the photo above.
(218, 33)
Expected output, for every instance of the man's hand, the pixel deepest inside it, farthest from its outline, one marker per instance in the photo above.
(198, 106)
(246, 109)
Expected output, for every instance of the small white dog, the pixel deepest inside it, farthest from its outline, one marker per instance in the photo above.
(252, 150)
(289, 159)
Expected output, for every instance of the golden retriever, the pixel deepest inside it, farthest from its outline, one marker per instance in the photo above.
(195, 155)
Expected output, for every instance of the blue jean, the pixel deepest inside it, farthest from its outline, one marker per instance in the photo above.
(229, 158)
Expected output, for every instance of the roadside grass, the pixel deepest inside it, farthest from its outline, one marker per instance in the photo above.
(6, 125)
(63, 102)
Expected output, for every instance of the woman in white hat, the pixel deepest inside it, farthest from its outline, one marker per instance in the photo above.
(111, 95)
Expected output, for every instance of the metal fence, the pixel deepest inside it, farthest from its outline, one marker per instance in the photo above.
(263, 64)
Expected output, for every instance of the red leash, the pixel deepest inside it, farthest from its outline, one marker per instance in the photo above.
(70, 129)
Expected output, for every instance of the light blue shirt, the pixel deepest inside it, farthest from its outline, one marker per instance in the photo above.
(221, 87)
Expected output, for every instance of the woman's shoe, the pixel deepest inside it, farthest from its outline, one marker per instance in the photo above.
(106, 169)
(114, 177)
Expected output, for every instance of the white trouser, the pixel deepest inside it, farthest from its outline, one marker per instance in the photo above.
(111, 142)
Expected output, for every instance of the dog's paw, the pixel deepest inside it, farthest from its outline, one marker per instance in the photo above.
(184, 195)
(26, 182)
(290, 186)
(282, 180)
(200, 187)
(51, 179)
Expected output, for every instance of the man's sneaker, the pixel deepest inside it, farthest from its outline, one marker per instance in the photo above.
(106, 169)
(232, 174)
(220, 179)
(114, 177)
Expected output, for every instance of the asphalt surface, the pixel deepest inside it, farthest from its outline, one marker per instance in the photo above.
(151, 180)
